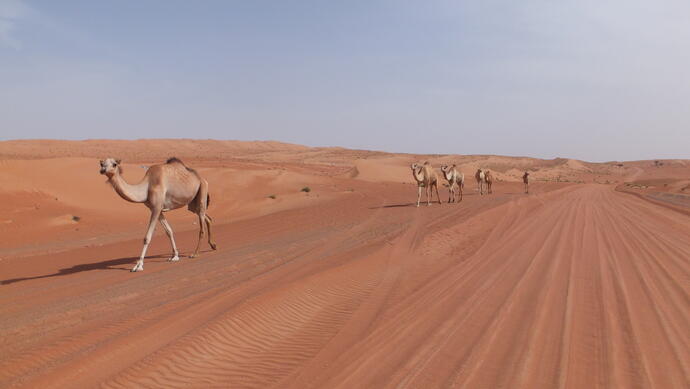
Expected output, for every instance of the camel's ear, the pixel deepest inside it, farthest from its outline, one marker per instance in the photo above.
(102, 162)
(118, 161)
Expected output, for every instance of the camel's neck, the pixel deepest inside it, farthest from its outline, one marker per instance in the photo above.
(418, 176)
(447, 174)
(137, 193)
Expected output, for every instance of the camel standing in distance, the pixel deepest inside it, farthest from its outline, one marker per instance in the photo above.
(481, 180)
(426, 177)
(454, 177)
(165, 187)
(489, 178)
(525, 179)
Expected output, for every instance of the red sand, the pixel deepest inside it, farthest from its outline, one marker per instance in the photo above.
(576, 285)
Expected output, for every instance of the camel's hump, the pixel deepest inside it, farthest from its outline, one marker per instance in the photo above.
(177, 160)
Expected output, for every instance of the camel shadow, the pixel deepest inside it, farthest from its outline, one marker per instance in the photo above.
(395, 206)
(103, 265)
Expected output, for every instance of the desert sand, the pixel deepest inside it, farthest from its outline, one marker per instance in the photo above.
(583, 283)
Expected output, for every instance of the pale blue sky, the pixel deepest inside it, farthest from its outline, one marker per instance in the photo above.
(595, 80)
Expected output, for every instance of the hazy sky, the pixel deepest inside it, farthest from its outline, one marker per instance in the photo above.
(589, 79)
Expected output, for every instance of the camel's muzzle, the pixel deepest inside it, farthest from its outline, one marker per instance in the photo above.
(102, 170)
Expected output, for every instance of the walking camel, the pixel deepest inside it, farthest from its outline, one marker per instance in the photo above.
(454, 177)
(426, 177)
(525, 179)
(481, 180)
(489, 178)
(165, 187)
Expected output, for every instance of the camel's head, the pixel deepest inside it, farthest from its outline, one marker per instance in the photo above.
(414, 166)
(110, 166)
(444, 168)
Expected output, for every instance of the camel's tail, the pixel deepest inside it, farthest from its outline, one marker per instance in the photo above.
(208, 202)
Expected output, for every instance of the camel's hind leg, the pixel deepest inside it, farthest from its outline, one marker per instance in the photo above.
(208, 227)
(201, 203)
(460, 187)
(155, 212)
(169, 231)
(202, 231)
(437, 195)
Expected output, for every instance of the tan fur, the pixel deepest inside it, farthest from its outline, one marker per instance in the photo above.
(480, 176)
(489, 177)
(454, 177)
(426, 177)
(165, 187)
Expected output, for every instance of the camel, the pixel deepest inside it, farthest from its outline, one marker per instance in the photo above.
(454, 177)
(481, 180)
(426, 177)
(489, 177)
(165, 187)
(525, 179)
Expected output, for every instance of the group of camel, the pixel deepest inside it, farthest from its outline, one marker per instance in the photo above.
(426, 177)
(173, 185)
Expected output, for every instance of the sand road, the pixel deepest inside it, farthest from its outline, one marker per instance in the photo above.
(572, 287)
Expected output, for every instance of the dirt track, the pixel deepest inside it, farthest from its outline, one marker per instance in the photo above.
(575, 286)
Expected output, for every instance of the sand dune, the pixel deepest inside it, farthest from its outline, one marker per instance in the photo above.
(349, 285)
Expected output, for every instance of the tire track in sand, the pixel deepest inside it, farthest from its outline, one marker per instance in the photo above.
(569, 295)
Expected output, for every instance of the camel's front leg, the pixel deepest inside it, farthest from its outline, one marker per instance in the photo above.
(451, 194)
(437, 195)
(149, 233)
(169, 231)
(419, 195)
